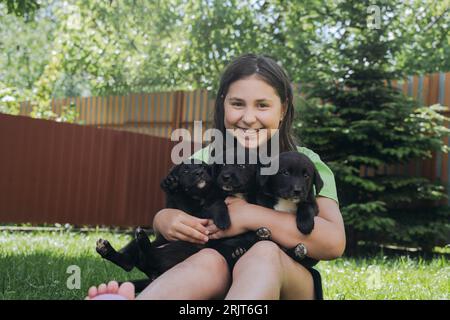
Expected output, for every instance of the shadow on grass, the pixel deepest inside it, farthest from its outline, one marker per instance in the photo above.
(45, 277)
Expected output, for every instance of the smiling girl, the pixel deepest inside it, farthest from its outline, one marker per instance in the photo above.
(254, 94)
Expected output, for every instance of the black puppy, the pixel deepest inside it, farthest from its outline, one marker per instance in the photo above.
(186, 186)
(189, 187)
(291, 189)
(230, 180)
(238, 180)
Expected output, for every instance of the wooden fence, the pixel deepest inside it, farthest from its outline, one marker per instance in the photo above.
(156, 114)
(54, 172)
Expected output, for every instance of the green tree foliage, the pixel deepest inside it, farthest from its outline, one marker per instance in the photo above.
(21, 8)
(352, 118)
(9, 99)
(114, 47)
(24, 53)
(110, 45)
(218, 31)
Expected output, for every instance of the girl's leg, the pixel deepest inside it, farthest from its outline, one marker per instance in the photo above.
(202, 276)
(266, 272)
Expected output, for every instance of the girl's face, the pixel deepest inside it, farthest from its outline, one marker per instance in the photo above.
(250, 105)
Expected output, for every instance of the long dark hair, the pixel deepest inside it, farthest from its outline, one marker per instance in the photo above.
(270, 72)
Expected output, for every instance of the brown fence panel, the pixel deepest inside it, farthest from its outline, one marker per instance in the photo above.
(54, 172)
(158, 114)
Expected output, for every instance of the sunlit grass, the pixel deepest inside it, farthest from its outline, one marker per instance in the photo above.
(386, 278)
(34, 266)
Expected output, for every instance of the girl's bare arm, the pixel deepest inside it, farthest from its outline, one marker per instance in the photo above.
(325, 242)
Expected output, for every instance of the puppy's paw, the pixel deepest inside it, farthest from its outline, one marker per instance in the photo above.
(104, 248)
(305, 227)
(139, 233)
(222, 222)
(170, 183)
(142, 239)
(238, 252)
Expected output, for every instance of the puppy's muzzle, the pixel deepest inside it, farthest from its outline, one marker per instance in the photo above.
(226, 178)
(299, 193)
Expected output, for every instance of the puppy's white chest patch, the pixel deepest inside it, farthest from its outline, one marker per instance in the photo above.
(239, 195)
(286, 206)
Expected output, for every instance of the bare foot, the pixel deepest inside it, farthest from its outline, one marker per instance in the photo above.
(124, 292)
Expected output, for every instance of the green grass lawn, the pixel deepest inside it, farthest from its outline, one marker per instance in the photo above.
(33, 265)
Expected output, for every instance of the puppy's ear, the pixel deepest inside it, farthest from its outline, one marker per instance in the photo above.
(170, 182)
(317, 180)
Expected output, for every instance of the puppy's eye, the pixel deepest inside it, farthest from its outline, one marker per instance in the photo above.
(285, 172)
(306, 176)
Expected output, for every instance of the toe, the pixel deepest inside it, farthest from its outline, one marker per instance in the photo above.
(92, 292)
(113, 287)
(127, 290)
(102, 288)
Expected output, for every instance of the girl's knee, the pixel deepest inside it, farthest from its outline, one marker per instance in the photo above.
(215, 273)
(211, 260)
(263, 253)
(265, 250)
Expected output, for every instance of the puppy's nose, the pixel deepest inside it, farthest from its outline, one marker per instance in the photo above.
(298, 191)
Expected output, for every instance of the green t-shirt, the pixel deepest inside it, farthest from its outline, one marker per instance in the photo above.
(329, 185)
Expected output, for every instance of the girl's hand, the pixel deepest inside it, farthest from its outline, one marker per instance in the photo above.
(175, 224)
(237, 210)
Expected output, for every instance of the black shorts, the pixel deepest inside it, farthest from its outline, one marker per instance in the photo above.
(317, 280)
